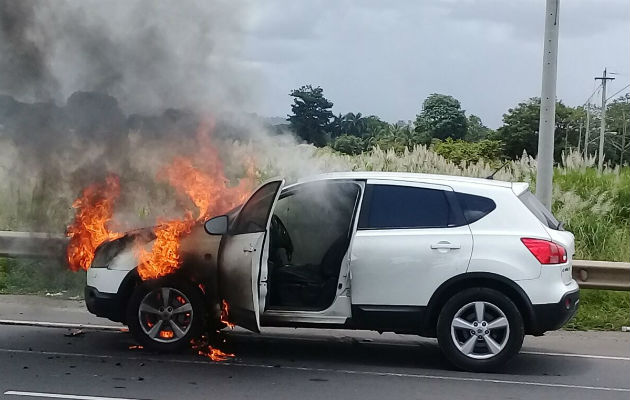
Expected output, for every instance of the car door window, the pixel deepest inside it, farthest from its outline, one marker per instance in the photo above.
(396, 207)
(254, 215)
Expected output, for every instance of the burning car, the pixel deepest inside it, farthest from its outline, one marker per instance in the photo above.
(476, 263)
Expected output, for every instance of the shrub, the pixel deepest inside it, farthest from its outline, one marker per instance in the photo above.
(348, 144)
(460, 151)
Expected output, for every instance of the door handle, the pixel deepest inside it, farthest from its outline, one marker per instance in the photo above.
(445, 245)
(249, 249)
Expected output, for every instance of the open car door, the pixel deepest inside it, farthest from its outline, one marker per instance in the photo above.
(241, 265)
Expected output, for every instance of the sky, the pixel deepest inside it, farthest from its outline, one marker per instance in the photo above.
(376, 57)
(385, 57)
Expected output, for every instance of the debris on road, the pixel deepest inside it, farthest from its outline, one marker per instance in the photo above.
(74, 332)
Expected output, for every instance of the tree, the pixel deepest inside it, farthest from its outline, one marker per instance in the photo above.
(476, 130)
(311, 115)
(618, 141)
(398, 137)
(520, 129)
(442, 117)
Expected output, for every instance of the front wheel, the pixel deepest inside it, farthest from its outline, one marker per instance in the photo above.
(164, 316)
(480, 329)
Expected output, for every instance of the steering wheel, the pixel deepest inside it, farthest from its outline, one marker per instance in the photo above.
(284, 240)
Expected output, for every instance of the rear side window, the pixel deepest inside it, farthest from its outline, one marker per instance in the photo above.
(475, 207)
(395, 207)
(538, 209)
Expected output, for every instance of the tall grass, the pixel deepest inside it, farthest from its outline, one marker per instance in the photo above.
(594, 206)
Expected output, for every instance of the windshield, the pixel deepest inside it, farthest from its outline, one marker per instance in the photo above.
(538, 209)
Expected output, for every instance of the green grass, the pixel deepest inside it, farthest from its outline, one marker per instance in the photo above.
(25, 276)
(601, 310)
(596, 208)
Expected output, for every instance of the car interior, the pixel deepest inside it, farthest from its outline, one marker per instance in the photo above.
(310, 233)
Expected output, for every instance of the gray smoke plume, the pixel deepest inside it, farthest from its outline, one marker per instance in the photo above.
(92, 87)
(150, 55)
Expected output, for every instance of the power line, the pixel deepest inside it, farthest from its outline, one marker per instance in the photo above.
(618, 91)
(588, 100)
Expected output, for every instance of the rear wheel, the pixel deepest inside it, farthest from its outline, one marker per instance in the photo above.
(480, 329)
(165, 316)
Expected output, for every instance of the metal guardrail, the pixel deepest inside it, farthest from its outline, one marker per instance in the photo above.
(32, 244)
(602, 274)
(589, 274)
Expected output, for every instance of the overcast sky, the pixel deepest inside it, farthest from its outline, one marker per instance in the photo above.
(385, 57)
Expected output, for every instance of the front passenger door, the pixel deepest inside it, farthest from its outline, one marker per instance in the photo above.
(242, 265)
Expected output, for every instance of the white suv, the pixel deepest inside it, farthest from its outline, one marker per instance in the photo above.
(476, 263)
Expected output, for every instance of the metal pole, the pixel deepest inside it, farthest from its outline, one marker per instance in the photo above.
(547, 124)
(623, 138)
(602, 126)
(579, 150)
(588, 127)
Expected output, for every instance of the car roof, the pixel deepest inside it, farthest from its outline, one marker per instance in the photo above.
(406, 176)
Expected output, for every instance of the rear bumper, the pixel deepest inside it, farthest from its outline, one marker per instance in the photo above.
(106, 305)
(549, 317)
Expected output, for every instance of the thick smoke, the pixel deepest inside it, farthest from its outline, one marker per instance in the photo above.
(92, 87)
(150, 55)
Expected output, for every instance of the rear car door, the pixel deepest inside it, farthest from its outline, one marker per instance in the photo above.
(242, 266)
(411, 238)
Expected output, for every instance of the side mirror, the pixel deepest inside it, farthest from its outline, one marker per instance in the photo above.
(217, 225)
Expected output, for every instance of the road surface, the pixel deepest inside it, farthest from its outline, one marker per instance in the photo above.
(43, 362)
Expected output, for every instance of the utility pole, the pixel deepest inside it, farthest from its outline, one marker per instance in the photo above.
(623, 138)
(602, 128)
(580, 139)
(547, 124)
(588, 127)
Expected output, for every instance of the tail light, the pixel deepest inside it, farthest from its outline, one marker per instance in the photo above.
(545, 251)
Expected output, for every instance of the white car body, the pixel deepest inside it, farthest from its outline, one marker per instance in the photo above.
(396, 279)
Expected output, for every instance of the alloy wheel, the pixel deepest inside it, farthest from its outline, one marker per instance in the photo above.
(165, 315)
(480, 330)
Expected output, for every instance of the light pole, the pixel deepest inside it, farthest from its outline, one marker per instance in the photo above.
(547, 124)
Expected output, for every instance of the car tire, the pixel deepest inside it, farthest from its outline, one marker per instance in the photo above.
(480, 346)
(165, 315)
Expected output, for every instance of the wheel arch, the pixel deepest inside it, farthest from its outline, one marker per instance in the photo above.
(478, 279)
(128, 284)
(132, 280)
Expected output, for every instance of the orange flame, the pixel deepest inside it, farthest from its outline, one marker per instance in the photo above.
(202, 348)
(210, 193)
(225, 314)
(89, 228)
(166, 334)
(200, 178)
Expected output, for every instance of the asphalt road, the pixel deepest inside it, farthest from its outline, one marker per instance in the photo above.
(290, 364)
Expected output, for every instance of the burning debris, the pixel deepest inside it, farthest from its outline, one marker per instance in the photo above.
(225, 314)
(203, 347)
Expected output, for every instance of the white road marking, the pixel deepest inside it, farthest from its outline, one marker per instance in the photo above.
(44, 324)
(333, 370)
(541, 353)
(61, 396)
